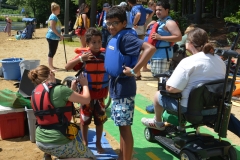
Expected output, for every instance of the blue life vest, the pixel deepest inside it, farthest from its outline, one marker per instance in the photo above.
(114, 59)
(164, 48)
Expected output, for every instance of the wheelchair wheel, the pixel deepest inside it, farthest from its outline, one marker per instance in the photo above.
(148, 134)
(232, 155)
(187, 155)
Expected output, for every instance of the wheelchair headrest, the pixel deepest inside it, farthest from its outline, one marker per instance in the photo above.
(205, 96)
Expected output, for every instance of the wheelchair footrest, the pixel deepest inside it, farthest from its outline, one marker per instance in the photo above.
(167, 142)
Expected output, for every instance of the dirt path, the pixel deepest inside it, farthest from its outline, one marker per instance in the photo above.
(37, 48)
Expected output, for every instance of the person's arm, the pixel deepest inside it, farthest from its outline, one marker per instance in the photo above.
(172, 89)
(54, 29)
(173, 28)
(86, 56)
(147, 52)
(72, 63)
(136, 18)
(83, 98)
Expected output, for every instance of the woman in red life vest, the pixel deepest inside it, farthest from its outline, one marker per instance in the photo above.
(53, 109)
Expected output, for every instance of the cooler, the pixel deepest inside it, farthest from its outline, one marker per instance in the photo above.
(11, 122)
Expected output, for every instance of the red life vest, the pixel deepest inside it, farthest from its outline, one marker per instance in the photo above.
(44, 111)
(153, 30)
(82, 50)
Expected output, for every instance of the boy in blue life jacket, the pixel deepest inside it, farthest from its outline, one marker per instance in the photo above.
(97, 82)
(166, 34)
(121, 63)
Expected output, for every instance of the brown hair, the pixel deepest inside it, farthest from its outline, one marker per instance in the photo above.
(54, 6)
(39, 74)
(92, 31)
(151, 3)
(199, 39)
(189, 28)
(82, 7)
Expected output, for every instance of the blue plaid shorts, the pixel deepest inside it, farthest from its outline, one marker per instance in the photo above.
(122, 111)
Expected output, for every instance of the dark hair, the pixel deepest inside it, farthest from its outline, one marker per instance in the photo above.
(164, 3)
(117, 12)
(92, 32)
(39, 74)
(199, 39)
(82, 7)
(126, 8)
(132, 1)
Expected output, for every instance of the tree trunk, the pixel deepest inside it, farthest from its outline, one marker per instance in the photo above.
(203, 6)
(214, 8)
(198, 14)
(190, 6)
(93, 13)
(184, 5)
(173, 4)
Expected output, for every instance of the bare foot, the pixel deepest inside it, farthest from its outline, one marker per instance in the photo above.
(100, 150)
(146, 70)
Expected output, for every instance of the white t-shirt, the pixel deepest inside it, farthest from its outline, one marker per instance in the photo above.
(198, 68)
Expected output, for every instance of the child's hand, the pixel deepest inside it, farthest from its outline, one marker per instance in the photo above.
(87, 56)
(156, 36)
(83, 79)
(127, 71)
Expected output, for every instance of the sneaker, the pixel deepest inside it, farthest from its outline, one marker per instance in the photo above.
(151, 123)
(47, 156)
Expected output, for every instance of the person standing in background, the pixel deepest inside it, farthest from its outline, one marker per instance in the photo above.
(139, 14)
(8, 26)
(128, 14)
(53, 34)
(151, 6)
(102, 22)
(82, 22)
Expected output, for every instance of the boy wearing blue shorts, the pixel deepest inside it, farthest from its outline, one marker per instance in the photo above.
(121, 63)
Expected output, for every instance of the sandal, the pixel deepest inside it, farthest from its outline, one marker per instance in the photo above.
(138, 77)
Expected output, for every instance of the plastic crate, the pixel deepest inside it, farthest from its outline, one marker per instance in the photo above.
(31, 124)
(11, 122)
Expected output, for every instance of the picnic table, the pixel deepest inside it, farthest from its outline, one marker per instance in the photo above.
(15, 25)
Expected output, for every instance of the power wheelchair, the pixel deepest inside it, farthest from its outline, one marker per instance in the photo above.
(193, 145)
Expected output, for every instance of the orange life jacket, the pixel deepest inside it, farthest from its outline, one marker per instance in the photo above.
(96, 74)
(45, 112)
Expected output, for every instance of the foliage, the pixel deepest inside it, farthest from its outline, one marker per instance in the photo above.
(234, 18)
(14, 19)
(181, 21)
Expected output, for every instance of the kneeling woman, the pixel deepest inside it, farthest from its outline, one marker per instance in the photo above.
(53, 107)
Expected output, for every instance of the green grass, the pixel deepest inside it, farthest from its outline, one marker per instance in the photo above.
(72, 43)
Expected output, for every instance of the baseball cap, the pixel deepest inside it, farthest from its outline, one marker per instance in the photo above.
(122, 4)
(106, 5)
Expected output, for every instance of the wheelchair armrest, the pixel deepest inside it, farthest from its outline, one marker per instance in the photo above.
(173, 95)
(165, 74)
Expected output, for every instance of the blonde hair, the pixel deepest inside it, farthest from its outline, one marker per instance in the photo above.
(54, 6)
(189, 28)
(39, 74)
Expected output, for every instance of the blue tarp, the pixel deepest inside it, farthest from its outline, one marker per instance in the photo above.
(28, 19)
